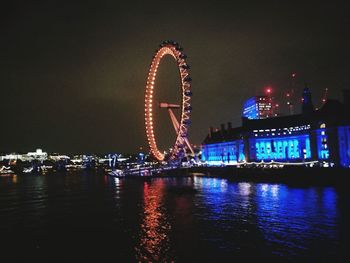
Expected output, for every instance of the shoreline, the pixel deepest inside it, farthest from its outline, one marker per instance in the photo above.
(300, 176)
(291, 175)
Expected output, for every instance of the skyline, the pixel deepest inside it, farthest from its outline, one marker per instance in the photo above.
(73, 75)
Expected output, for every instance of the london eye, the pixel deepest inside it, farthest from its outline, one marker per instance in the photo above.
(181, 126)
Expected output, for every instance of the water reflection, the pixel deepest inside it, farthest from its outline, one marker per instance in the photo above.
(14, 178)
(118, 187)
(154, 242)
(287, 217)
(244, 189)
(286, 220)
(168, 219)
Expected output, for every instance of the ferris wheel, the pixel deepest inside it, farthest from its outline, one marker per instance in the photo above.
(182, 144)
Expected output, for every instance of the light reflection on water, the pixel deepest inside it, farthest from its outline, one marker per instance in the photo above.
(118, 187)
(154, 244)
(173, 219)
(291, 220)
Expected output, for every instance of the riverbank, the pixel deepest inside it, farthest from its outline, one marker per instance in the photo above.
(290, 175)
(300, 176)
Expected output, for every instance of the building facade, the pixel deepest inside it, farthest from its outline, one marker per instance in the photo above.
(258, 107)
(320, 138)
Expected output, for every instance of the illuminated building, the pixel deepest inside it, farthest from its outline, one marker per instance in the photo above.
(37, 155)
(224, 146)
(319, 137)
(258, 107)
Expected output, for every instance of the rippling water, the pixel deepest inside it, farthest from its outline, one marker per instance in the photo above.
(91, 217)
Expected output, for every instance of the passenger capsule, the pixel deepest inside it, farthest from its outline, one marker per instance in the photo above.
(188, 79)
(188, 93)
(185, 66)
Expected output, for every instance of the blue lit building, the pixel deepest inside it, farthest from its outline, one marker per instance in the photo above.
(320, 137)
(224, 146)
(258, 107)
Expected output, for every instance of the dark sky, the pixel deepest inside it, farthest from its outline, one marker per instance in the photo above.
(72, 73)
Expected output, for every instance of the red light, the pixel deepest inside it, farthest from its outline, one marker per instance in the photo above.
(268, 90)
(288, 94)
(294, 75)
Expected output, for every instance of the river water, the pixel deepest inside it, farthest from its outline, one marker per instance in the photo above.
(90, 217)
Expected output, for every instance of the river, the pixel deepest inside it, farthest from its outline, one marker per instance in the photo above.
(91, 217)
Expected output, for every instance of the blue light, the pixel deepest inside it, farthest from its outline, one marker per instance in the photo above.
(322, 144)
(250, 110)
(224, 153)
(344, 145)
(292, 220)
(296, 211)
(294, 146)
(280, 148)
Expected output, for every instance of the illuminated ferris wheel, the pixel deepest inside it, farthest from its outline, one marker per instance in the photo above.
(173, 49)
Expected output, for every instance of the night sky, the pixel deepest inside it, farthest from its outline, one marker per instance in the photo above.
(72, 73)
